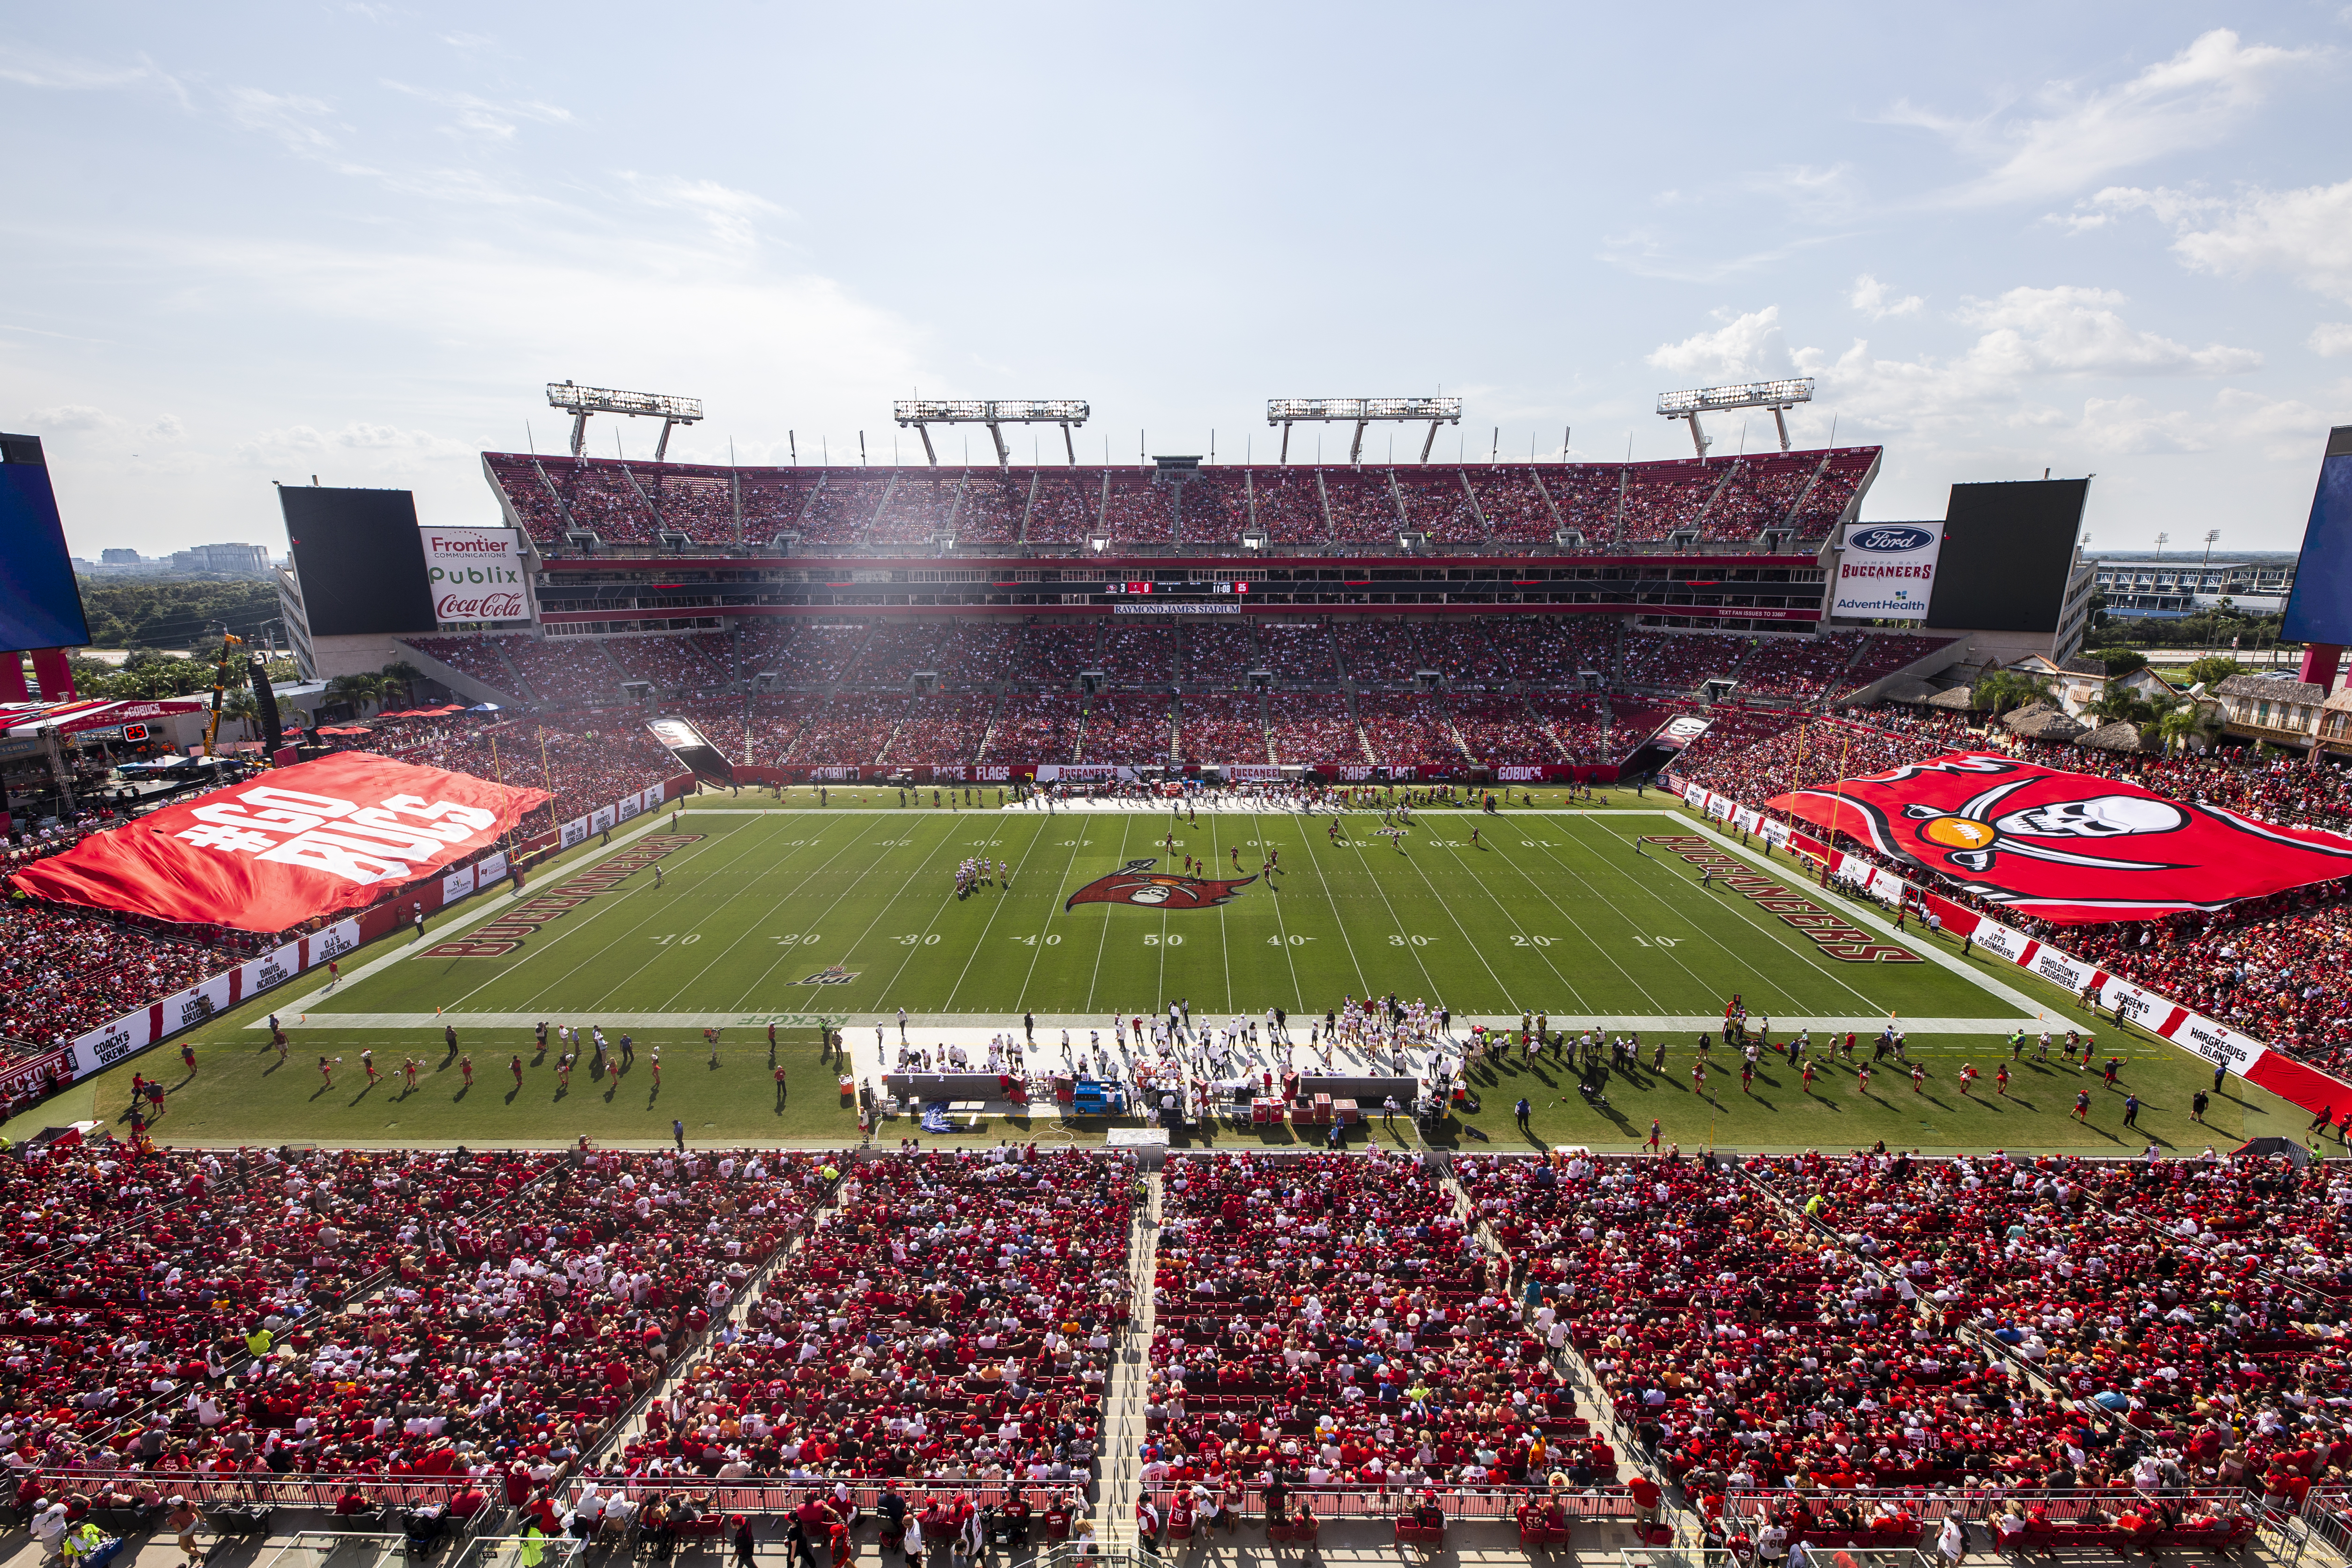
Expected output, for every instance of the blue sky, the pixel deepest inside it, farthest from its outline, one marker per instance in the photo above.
(356, 239)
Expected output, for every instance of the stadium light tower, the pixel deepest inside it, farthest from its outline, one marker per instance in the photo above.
(922, 413)
(1780, 396)
(582, 401)
(1360, 412)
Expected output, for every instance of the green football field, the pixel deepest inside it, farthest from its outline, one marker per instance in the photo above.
(792, 915)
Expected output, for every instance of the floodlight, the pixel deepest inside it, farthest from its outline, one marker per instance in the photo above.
(582, 401)
(1360, 412)
(922, 413)
(1780, 396)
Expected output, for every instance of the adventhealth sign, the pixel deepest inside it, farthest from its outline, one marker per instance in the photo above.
(1885, 571)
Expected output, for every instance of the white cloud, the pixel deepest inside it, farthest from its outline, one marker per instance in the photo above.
(2305, 235)
(32, 68)
(1874, 299)
(2078, 136)
(486, 118)
(1745, 348)
(286, 116)
(72, 418)
(167, 428)
(730, 214)
(2331, 338)
(371, 448)
(2071, 331)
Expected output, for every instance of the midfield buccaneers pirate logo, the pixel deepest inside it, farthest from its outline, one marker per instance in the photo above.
(1137, 883)
(2069, 847)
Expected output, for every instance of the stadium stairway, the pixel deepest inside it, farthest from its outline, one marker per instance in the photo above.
(681, 1367)
(1593, 1403)
(1120, 1484)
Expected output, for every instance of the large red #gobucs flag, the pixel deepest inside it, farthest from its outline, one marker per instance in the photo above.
(2071, 848)
(292, 843)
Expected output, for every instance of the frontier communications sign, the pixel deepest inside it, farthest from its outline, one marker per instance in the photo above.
(1885, 571)
(477, 575)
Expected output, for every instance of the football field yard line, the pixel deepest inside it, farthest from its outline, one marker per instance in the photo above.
(1281, 929)
(465, 921)
(817, 924)
(1471, 871)
(751, 882)
(977, 1026)
(1435, 991)
(1447, 904)
(1931, 950)
(1019, 867)
(620, 902)
(1094, 978)
(577, 920)
(1332, 903)
(938, 908)
(1746, 917)
(1225, 940)
(1052, 908)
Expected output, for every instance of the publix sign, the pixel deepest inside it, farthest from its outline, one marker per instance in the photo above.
(477, 575)
(1886, 570)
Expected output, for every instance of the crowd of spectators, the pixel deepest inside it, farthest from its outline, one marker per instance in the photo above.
(851, 729)
(698, 662)
(844, 506)
(1742, 1348)
(896, 650)
(63, 974)
(1135, 511)
(1516, 509)
(400, 1313)
(1290, 507)
(1066, 507)
(920, 505)
(1505, 732)
(1461, 506)
(1128, 729)
(1298, 653)
(1678, 661)
(1223, 728)
(1330, 1318)
(1035, 727)
(565, 672)
(1437, 503)
(938, 730)
(1801, 670)
(1141, 659)
(1403, 729)
(1312, 728)
(1363, 507)
(954, 1319)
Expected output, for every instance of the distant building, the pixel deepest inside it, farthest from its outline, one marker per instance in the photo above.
(119, 557)
(2181, 585)
(228, 560)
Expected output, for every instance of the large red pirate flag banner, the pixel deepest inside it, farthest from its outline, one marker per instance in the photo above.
(293, 845)
(1139, 882)
(2073, 848)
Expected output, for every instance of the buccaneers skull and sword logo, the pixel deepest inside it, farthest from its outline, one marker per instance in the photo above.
(1141, 882)
(2073, 848)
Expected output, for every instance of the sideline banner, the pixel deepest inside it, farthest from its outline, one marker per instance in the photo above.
(300, 843)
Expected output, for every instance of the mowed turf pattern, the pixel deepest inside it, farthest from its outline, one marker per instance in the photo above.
(1565, 913)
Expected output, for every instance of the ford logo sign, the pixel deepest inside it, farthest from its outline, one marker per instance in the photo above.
(1888, 541)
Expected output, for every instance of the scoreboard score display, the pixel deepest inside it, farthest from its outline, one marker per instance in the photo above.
(1216, 585)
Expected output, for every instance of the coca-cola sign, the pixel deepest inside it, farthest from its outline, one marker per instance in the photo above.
(477, 575)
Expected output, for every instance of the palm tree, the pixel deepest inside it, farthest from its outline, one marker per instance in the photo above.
(358, 691)
(2184, 720)
(2120, 704)
(405, 676)
(2000, 691)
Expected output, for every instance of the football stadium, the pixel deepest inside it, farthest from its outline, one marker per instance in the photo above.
(1093, 1011)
